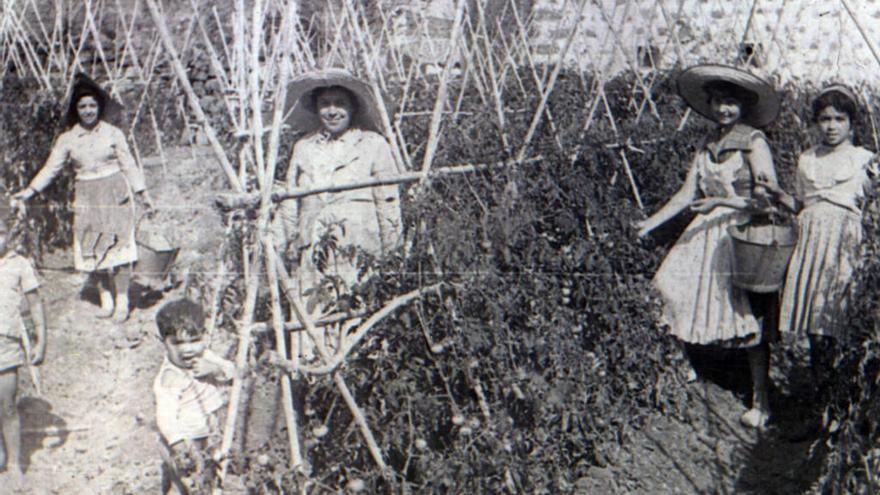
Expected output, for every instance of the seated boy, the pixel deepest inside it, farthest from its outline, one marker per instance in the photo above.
(18, 284)
(189, 393)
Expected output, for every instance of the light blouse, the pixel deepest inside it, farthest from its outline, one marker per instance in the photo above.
(839, 177)
(95, 153)
(355, 156)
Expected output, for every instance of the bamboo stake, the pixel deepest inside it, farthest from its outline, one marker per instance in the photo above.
(620, 46)
(352, 341)
(545, 96)
(440, 101)
(493, 78)
(632, 180)
(861, 29)
(533, 68)
(196, 108)
(254, 86)
(296, 458)
(247, 200)
(401, 159)
(296, 326)
(99, 47)
(359, 417)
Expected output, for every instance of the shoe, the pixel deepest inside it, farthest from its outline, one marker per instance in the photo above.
(106, 310)
(755, 419)
(120, 314)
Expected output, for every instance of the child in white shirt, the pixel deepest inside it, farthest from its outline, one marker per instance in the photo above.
(18, 284)
(189, 393)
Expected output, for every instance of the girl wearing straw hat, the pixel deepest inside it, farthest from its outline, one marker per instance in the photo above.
(830, 185)
(107, 185)
(701, 304)
(340, 116)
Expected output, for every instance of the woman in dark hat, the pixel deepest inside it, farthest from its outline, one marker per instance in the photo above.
(339, 115)
(701, 304)
(108, 182)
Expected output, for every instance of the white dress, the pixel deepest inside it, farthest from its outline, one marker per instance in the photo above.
(830, 231)
(700, 303)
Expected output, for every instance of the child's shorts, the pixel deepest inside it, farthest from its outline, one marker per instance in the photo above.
(11, 353)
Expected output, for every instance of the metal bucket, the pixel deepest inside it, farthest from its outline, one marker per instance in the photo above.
(760, 255)
(155, 258)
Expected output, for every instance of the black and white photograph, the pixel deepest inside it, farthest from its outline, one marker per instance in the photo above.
(439, 247)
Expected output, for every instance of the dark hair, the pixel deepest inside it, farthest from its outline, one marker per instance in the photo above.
(312, 98)
(82, 89)
(180, 317)
(746, 97)
(840, 102)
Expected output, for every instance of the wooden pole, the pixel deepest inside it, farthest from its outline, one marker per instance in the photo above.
(545, 96)
(248, 200)
(440, 102)
(861, 29)
(359, 417)
(296, 458)
(632, 180)
(191, 97)
(364, 328)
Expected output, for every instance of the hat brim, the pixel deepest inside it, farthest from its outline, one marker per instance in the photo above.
(302, 116)
(691, 86)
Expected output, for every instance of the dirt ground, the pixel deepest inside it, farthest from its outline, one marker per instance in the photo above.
(92, 431)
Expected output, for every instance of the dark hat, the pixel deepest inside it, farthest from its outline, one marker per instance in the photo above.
(694, 81)
(301, 92)
(109, 110)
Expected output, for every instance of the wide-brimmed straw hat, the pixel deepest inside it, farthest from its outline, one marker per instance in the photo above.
(692, 86)
(301, 106)
(83, 85)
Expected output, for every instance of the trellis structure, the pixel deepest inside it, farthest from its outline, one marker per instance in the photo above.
(256, 46)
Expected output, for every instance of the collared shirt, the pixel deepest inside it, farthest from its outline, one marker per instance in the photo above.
(94, 153)
(17, 277)
(185, 405)
(720, 153)
(839, 177)
(355, 156)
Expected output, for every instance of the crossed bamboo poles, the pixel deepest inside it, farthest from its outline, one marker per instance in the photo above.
(253, 68)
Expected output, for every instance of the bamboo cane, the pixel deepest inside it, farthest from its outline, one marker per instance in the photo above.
(440, 101)
(861, 29)
(248, 200)
(545, 96)
(493, 78)
(296, 326)
(359, 417)
(401, 159)
(196, 108)
(296, 458)
(352, 341)
(632, 180)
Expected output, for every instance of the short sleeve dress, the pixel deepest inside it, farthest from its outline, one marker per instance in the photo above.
(831, 185)
(106, 176)
(700, 303)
